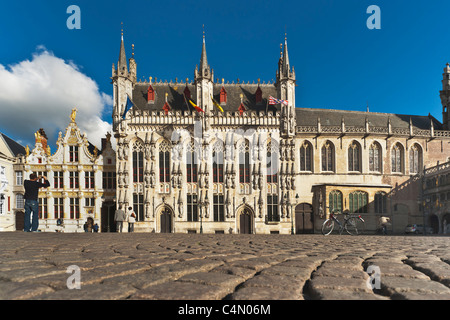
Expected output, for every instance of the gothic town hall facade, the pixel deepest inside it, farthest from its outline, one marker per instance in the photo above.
(210, 156)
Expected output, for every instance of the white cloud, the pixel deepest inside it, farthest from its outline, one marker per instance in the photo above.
(41, 94)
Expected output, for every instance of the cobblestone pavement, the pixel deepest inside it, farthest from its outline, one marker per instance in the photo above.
(217, 267)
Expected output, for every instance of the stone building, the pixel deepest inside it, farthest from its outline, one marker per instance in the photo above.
(10, 152)
(436, 198)
(75, 172)
(205, 155)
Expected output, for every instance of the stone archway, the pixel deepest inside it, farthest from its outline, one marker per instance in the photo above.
(246, 220)
(166, 220)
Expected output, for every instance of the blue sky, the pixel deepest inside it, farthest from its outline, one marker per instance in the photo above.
(339, 62)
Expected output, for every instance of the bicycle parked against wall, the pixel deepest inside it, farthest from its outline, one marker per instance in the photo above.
(353, 224)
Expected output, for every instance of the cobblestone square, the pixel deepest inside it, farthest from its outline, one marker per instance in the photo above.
(137, 266)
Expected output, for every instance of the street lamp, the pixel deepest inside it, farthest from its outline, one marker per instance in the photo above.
(292, 213)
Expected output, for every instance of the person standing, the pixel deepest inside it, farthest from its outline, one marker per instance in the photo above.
(119, 218)
(32, 187)
(131, 219)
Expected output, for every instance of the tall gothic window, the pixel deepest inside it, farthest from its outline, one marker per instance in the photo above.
(354, 157)
(415, 159)
(244, 162)
(138, 206)
(219, 207)
(328, 156)
(218, 162)
(192, 207)
(164, 162)
(375, 157)
(380, 202)
(272, 208)
(335, 201)
(397, 158)
(191, 163)
(138, 162)
(358, 201)
(272, 162)
(306, 157)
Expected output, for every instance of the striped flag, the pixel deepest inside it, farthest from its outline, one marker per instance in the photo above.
(273, 100)
(216, 104)
(195, 106)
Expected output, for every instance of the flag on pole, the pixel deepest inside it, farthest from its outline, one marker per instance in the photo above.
(195, 106)
(216, 104)
(273, 100)
(128, 106)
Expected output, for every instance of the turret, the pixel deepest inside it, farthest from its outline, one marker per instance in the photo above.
(286, 91)
(123, 80)
(204, 81)
(445, 97)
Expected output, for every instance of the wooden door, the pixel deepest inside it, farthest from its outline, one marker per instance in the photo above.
(304, 219)
(245, 222)
(166, 221)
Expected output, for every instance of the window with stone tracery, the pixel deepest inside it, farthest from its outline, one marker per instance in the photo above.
(244, 167)
(354, 157)
(218, 162)
(397, 158)
(192, 159)
(164, 162)
(138, 161)
(328, 156)
(306, 156)
(415, 159)
(375, 157)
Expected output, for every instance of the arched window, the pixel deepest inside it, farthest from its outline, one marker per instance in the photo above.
(191, 163)
(306, 156)
(272, 161)
(380, 202)
(415, 159)
(138, 161)
(358, 202)
(244, 162)
(164, 162)
(397, 158)
(328, 156)
(375, 158)
(218, 162)
(335, 201)
(354, 157)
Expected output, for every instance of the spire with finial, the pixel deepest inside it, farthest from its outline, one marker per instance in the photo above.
(122, 65)
(204, 71)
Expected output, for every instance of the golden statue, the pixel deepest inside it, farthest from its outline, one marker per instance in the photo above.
(73, 115)
(37, 135)
(27, 150)
(48, 151)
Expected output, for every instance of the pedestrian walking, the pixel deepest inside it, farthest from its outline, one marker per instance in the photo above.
(131, 219)
(32, 187)
(119, 218)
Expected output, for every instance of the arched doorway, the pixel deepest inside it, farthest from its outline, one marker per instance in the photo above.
(246, 221)
(166, 220)
(304, 219)
(434, 223)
